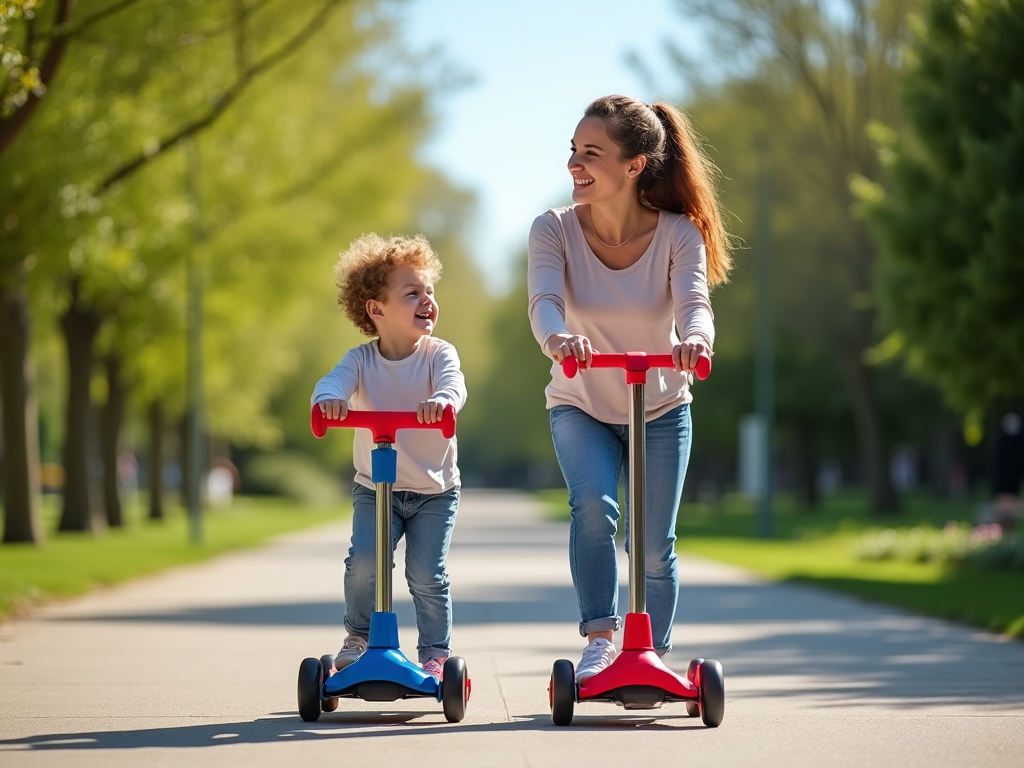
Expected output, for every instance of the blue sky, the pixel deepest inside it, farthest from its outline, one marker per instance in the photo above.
(536, 64)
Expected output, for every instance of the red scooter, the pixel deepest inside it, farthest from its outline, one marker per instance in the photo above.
(637, 678)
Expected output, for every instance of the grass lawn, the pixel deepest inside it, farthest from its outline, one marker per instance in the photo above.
(72, 563)
(818, 548)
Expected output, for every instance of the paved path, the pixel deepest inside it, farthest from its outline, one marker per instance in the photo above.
(197, 666)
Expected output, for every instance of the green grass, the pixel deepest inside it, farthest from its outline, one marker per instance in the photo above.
(818, 548)
(73, 563)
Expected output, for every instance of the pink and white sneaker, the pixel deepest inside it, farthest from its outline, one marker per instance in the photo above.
(434, 667)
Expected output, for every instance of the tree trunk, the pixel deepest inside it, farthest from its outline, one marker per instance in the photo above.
(807, 465)
(156, 460)
(20, 422)
(80, 325)
(184, 460)
(871, 443)
(113, 421)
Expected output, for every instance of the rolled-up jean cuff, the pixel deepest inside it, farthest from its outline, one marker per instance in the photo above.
(427, 654)
(608, 624)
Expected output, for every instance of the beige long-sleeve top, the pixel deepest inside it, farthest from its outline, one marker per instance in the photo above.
(624, 310)
(367, 381)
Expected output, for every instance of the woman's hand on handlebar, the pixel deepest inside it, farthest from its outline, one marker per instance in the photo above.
(430, 411)
(334, 409)
(563, 345)
(685, 355)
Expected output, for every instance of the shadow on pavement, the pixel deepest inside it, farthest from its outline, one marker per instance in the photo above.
(841, 650)
(331, 726)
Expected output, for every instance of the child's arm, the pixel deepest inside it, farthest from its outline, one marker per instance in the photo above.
(449, 386)
(334, 390)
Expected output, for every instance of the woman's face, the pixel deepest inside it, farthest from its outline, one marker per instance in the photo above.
(598, 171)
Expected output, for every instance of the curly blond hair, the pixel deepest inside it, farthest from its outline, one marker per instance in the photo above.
(364, 270)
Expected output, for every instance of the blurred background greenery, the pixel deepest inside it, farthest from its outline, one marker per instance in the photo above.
(157, 155)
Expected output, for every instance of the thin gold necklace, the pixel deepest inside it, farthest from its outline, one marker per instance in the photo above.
(636, 224)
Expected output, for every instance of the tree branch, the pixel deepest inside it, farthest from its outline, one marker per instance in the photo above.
(224, 101)
(11, 126)
(92, 20)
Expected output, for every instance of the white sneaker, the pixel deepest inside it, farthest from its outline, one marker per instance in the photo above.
(351, 650)
(596, 656)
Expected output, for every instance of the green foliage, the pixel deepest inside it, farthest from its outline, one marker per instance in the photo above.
(984, 546)
(295, 477)
(506, 423)
(19, 75)
(952, 226)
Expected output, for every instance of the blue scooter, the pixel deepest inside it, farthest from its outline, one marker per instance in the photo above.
(382, 673)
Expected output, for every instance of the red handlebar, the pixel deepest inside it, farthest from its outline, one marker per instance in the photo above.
(636, 364)
(383, 424)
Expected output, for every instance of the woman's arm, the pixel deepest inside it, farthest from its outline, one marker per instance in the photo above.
(545, 279)
(688, 279)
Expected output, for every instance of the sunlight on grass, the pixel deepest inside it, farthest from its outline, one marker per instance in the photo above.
(73, 563)
(821, 548)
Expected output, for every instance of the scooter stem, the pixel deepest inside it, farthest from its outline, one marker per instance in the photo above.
(637, 498)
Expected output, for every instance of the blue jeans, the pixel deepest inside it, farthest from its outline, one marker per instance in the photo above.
(427, 521)
(594, 457)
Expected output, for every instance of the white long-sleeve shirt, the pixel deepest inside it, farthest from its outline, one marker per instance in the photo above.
(427, 462)
(619, 310)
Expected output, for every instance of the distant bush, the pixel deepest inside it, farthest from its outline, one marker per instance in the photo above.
(294, 476)
(983, 546)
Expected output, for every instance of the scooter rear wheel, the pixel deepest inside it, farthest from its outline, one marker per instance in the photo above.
(311, 677)
(693, 707)
(712, 693)
(326, 662)
(454, 689)
(562, 692)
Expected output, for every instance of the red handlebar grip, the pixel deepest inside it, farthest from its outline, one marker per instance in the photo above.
(703, 369)
(383, 424)
(634, 360)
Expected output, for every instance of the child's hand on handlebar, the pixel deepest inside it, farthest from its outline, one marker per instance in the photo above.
(563, 345)
(430, 411)
(685, 355)
(334, 409)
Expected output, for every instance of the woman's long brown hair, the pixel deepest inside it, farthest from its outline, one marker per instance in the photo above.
(679, 177)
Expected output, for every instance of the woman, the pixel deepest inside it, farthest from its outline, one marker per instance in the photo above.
(626, 268)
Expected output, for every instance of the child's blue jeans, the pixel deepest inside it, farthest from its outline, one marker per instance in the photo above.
(594, 457)
(426, 521)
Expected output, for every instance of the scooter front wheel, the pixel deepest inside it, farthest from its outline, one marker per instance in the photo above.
(712, 693)
(311, 677)
(562, 692)
(454, 689)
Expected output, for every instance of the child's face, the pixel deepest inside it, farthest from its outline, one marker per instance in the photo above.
(409, 310)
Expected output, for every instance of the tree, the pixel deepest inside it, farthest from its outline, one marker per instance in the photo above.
(952, 224)
(238, 48)
(820, 73)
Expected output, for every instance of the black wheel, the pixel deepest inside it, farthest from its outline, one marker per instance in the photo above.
(326, 664)
(562, 692)
(712, 693)
(693, 707)
(454, 689)
(311, 676)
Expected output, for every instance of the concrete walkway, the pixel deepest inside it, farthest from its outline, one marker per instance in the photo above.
(197, 667)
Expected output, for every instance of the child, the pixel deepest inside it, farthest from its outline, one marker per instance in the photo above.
(386, 288)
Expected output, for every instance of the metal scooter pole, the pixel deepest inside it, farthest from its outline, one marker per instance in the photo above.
(385, 551)
(637, 492)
